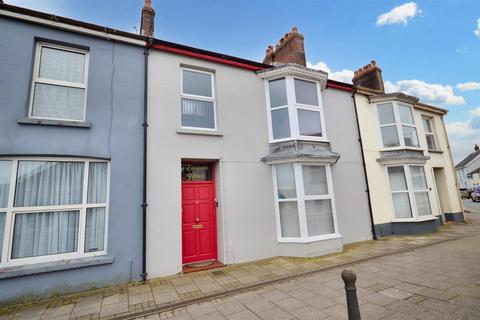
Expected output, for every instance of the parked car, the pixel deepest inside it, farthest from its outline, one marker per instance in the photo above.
(476, 194)
(465, 193)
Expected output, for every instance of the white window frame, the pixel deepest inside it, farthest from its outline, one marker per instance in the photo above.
(411, 194)
(430, 133)
(293, 108)
(37, 79)
(197, 97)
(11, 211)
(398, 124)
(300, 199)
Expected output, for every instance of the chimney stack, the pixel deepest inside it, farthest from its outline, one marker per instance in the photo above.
(148, 19)
(288, 50)
(476, 148)
(370, 76)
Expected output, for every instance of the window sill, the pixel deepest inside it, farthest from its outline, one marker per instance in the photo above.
(200, 132)
(435, 151)
(55, 123)
(421, 219)
(312, 239)
(401, 148)
(25, 270)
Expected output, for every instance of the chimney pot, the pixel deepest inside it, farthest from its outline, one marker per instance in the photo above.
(148, 19)
(476, 148)
(289, 49)
(369, 76)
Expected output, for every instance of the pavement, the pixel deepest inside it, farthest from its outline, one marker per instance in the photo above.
(435, 276)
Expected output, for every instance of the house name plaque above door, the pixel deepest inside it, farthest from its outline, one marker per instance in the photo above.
(196, 172)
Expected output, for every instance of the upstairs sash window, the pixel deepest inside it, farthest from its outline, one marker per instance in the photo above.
(397, 125)
(429, 135)
(295, 109)
(59, 83)
(198, 99)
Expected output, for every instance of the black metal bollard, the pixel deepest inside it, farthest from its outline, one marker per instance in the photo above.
(349, 277)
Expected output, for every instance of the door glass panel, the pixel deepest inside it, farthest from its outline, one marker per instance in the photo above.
(285, 181)
(423, 204)
(44, 233)
(410, 136)
(385, 113)
(319, 217)
(405, 114)
(278, 93)
(390, 136)
(280, 123)
(315, 180)
(401, 203)
(309, 123)
(289, 220)
(306, 92)
(196, 172)
(5, 176)
(397, 179)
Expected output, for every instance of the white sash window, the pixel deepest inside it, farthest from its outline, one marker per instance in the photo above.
(397, 125)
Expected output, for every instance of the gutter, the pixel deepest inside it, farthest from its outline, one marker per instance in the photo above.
(374, 234)
(145, 136)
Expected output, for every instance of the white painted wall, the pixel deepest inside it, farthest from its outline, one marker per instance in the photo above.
(246, 222)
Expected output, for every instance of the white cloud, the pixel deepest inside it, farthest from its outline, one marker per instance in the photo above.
(477, 31)
(475, 112)
(463, 135)
(400, 14)
(467, 86)
(342, 76)
(427, 92)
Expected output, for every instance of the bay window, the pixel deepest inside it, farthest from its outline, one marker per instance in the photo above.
(397, 125)
(409, 190)
(59, 83)
(52, 209)
(295, 109)
(305, 204)
(198, 99)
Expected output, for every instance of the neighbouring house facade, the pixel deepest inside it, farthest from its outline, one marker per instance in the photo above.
(247, 160)
(468, 170)
(71, 102)
(408, 159)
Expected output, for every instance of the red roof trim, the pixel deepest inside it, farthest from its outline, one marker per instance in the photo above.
(206, 57)
(339, 86)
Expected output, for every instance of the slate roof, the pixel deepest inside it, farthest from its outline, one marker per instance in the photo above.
(468, 159)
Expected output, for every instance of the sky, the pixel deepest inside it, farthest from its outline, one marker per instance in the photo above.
(429, 49)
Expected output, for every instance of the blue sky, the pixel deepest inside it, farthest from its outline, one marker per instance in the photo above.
(430, 49)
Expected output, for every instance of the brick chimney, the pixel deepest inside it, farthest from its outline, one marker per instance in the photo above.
(370, 76)
(288, 50)
(148, 19)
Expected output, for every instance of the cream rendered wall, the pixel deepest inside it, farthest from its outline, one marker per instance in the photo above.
(246, 215)
(382, 205)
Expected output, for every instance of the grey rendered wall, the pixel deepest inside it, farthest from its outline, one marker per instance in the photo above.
(348, 175)
(115, 112)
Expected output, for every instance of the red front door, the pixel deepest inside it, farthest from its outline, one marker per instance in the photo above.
(199, 230)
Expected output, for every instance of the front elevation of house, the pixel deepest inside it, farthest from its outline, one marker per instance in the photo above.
(246, 160)
(70, 155)
(408, 160)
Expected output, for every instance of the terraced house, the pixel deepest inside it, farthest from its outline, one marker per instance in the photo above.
(71, 112)
(245, 160)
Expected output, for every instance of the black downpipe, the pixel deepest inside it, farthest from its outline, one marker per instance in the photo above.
(145, 128)
(374, 234)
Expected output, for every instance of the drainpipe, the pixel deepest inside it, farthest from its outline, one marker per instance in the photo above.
(145, 128)
(374, 234)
